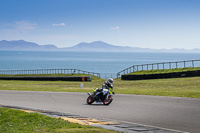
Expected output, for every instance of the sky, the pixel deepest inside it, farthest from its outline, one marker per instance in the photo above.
(136, 23)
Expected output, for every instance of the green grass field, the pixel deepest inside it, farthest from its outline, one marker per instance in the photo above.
(175, 87)
(15, 121)
(49, 75)
(164, 71)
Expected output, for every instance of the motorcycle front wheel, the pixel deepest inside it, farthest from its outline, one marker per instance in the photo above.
(90, 100)
(108, 100)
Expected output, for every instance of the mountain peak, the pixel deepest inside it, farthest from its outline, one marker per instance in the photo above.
(99, 42)
(18, 41)
(93, 45)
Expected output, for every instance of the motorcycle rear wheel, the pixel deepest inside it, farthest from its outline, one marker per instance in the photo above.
(90, 100)
(107, 101)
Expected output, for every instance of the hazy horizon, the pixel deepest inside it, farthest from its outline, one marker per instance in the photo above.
(152, 24)
(97, 46)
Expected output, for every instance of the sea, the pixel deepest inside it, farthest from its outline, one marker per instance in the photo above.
(99, 62)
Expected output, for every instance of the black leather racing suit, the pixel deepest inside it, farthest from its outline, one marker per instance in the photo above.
(105, 85)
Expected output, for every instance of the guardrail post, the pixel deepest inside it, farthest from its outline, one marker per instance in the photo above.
(163, 65)
(184, 64)
(192, 63)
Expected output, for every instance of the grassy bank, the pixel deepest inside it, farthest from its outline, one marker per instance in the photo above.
(176, 87)
(13, 121)
(49, 75)
(164, 71)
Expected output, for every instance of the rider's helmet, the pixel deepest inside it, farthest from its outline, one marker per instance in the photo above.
(110, 82)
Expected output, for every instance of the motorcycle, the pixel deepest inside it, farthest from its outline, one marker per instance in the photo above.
(104, 96)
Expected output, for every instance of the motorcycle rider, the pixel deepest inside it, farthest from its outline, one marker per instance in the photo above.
(106, 85)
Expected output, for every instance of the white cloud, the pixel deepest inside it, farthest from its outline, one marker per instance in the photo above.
(61, 24)
(17, 29)
(24, 25)
(115, 28)
(19, 26)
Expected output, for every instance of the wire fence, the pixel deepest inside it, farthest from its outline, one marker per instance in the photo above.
(163, 65)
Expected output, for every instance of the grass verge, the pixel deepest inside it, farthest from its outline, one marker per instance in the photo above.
(164, 71)
(13, 121)
(49, 75)
(175, 87)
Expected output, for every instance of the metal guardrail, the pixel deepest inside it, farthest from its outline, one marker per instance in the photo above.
(48, 71)
(163, 65)
(134, 68)
(58, 71)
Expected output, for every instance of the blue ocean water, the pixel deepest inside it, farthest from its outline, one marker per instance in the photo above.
(101, 62)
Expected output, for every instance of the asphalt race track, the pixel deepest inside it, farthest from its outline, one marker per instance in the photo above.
(181, 114)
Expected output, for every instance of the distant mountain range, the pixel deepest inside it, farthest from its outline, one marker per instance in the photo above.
(23, 46)
(97, 46)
